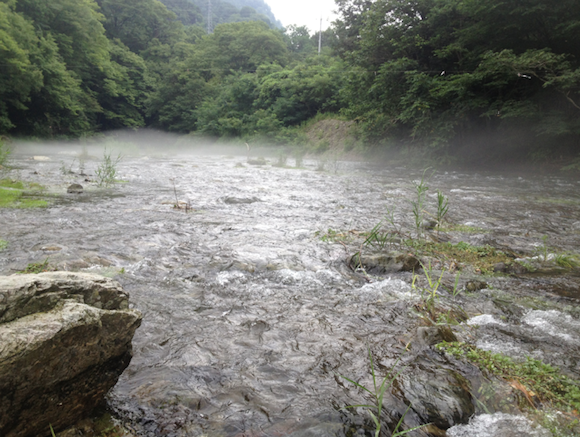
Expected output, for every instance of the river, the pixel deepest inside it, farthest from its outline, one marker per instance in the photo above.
(250, 316)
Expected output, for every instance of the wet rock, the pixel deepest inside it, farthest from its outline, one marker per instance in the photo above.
(475, 286)
(257, 161)
(432, 335)
(429, 224)
(75, 189)
(517, 269)
(386, 263)
(499, 268)
(238, 200)
(73, 265)
(47, 247)
(64, 340)
(437, 395)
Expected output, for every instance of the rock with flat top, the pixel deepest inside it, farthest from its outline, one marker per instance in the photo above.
(65, 338)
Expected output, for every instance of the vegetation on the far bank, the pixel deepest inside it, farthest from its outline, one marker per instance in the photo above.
(448, 80)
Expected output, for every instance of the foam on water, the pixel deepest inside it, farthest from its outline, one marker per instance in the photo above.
(498, 425)
(387, 290)
(484, 319)
(554, 323)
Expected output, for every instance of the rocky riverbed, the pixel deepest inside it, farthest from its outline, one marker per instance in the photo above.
(253, 309)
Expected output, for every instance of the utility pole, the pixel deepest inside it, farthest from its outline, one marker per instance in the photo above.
(208, 16)
(320, 37)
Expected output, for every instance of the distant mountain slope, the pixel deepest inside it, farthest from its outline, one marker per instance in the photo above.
(222, 11)
(260, 6)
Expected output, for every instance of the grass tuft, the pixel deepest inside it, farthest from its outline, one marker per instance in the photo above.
(377, 393)
(539, 382)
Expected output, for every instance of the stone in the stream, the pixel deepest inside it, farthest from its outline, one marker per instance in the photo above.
(386, 263)
(499, 268)
(432, 335)
(240, 200)
(257, 161)
(475, 286)
(437, 395)
(65, 338)
(75, 189)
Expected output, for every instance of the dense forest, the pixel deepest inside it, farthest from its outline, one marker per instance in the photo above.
(439, 76)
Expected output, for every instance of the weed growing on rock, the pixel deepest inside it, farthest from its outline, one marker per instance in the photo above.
(38, 267)
(378, 238)
(179, 204)
(546, 255)
(107, 171)
(418, 204)
(539, 382)
(566, 260)
(442, 208)
(5, 152)
(3, 244)
(377, 393)
(429, 292)
(67, 170)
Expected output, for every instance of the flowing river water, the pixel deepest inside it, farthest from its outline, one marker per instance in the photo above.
(249, 316)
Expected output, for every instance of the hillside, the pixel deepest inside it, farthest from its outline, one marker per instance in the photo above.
(196, 11)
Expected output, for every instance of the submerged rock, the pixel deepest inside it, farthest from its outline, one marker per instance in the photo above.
(65, 338)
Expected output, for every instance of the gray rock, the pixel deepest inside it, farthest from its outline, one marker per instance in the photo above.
(65, 338)
(257, 161)
(21, 295)
(438, 396)
(75, 189)
(239, 200)
(475, 286)
(386, 263)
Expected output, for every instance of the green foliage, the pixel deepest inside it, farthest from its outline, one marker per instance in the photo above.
(137, 23)
(12, 195)
(438, 75)
(39, 267)
(377, 237)
(482, 258)
(418, 204)
(442, 208)
(106, 172)
(18, 75)
(3, 244)
(548, 255)
(5, 151)
(377, 392)
(428, 292)
(541, 380)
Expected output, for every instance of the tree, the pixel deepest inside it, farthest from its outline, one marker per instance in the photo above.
(138, 22)
(438, 73)
(239, 47)
(18, 75)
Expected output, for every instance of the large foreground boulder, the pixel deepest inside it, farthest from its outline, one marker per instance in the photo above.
(65, 338)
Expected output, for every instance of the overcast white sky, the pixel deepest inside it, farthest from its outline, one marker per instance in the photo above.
(304, 12)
